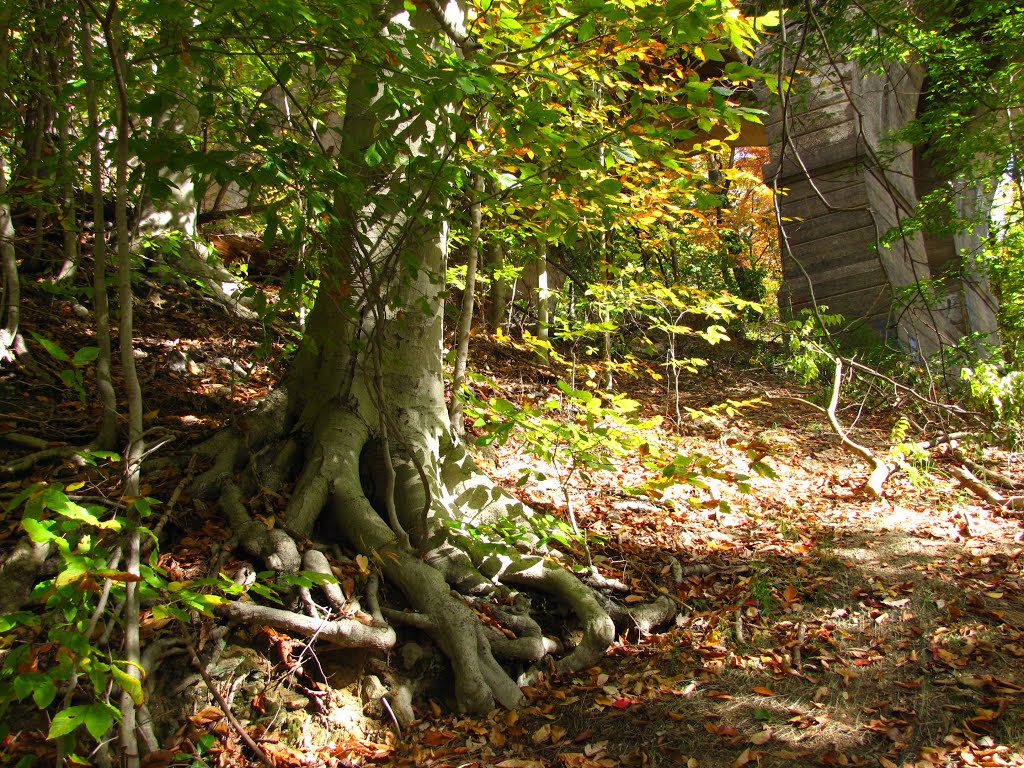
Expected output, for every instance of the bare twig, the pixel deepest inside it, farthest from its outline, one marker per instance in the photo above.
(245, 737)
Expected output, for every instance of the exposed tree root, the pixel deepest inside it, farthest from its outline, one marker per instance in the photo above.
(644, 617)
(45, 453)
(331, 494)
(990, 476)
(20, 573)
(344, 633)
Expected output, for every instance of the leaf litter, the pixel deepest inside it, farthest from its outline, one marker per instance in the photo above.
(816, 626)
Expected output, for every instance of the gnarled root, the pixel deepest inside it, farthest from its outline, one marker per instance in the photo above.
(345, 633)
(597, 625)
(479, 680)
(330, 489)
(230, 448)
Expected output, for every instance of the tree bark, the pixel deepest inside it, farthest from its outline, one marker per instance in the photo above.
(498, 305)
(106, 436)
(465, 326)
(360, 425)
(11, 342)
(543, 319)
(134, 451)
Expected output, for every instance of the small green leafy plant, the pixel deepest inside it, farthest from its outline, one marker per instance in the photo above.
(60, 652)
(806, 337)
(1000, 395)
(73, 376)
(73, 604)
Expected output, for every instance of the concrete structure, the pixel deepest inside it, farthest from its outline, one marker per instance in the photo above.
(846, 186)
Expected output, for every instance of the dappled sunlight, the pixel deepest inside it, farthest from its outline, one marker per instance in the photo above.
(816, 624)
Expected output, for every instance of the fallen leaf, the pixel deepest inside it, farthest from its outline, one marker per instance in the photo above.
(436, 738)
(760, 689)
(206, 715)
(761, 738)
(577, 760)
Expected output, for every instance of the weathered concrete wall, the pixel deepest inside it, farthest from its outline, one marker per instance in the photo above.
(846, 185)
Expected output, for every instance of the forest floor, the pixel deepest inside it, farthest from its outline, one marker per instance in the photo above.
(817, 626)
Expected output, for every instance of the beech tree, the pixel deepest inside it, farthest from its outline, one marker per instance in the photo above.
(360, 420)
(358, 131)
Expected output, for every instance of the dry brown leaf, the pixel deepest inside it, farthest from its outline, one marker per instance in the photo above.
(206, 715)
(762, 737)
(576, 760)
(436, 738)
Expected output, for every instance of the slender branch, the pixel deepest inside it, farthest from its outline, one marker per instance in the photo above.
(465, 326)
(879, 469)
(225, 707)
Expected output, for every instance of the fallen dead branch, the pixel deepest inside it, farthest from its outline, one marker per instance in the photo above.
(972, 483)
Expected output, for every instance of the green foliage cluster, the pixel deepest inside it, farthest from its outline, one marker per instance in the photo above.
(998, 393)
(74, 674)
(74, 376)
(808, 339)
(77, 606)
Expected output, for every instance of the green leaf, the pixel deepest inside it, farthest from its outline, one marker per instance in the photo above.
(204, 603)
(96, 718)
(54, 350)
(44, 693)
(142, 506)
(169, 612)
(23, 685)
(270, 233)
(24, 494)
(624, 154)
(85, 355)
(38, 530)
(586, 29)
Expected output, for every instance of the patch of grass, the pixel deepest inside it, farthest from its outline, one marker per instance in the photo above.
(762, 591)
